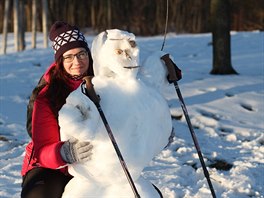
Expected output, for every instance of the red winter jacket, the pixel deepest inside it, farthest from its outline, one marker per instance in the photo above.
(44, 149)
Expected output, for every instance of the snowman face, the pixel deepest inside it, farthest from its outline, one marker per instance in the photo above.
(120, 56)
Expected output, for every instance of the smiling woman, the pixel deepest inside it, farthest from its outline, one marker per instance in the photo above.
(78, 66)
(44, 170)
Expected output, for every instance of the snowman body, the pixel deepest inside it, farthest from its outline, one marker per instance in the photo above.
(140, 121)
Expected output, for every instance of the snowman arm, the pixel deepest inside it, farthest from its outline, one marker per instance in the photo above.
(78, 117)
(155, 72)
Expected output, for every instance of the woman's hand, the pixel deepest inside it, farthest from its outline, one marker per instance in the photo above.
(75, 151)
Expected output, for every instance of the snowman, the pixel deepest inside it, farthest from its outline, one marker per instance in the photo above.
(136, 110)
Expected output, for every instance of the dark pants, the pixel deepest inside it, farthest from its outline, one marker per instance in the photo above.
(44, 183)
(47, 183)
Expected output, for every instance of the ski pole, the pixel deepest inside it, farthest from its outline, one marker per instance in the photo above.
(90, 93)
(173, 78)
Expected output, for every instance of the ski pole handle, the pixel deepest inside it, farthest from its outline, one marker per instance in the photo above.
(170, 66)
(174, 73)
(90, 90)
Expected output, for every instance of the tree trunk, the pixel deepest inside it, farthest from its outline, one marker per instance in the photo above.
(45, 23)
(109, 14)
(220, 21)
(93, 21)
(16, 25)
(19, 41)
(34, 23)
(5, 26)
(21, 32)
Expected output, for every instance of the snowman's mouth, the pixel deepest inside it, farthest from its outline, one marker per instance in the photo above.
(131, 67)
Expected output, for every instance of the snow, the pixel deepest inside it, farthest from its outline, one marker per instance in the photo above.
(227, 114)
(137, 114)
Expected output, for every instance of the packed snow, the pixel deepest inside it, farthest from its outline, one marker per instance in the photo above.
(137, 113)
(226, 111)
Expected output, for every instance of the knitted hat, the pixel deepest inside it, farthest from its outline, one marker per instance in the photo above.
(66, 37)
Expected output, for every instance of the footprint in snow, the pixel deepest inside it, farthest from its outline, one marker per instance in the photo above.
(224, 131)
(209, 115)
(230, 94)
(248, 107)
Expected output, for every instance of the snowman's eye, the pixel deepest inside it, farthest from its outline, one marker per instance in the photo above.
(118, 51)
(133, 44)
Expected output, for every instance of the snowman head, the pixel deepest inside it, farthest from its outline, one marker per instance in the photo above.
(115, 54)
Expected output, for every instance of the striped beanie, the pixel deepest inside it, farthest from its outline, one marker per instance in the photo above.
(65, 37)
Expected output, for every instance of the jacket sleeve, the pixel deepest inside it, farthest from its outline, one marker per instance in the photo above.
(46, 135)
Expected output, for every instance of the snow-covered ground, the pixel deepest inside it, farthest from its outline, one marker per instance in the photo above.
(227, 113)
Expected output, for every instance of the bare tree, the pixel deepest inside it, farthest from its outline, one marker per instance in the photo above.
(21, 32)
(45, 22)
(19, 41)
(93, 15)
(109, 14)
(220, 21)
(34, 23)
(5, 26)
(16, 24)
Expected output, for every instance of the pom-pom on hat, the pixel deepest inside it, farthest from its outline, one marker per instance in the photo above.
(65, 37)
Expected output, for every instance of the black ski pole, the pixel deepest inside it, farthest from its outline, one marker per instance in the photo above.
(90, 93)
(172, 77)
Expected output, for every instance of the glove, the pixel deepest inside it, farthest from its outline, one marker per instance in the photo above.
(75, 151)
(178, 74)
(174, 73)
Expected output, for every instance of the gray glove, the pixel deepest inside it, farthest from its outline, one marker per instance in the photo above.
(75, 151)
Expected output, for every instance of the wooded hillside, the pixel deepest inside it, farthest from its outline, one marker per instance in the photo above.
(142, 17)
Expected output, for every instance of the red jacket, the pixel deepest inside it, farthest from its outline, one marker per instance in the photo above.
(44, 149)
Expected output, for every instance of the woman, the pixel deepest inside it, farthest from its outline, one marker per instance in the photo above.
(44, 168)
